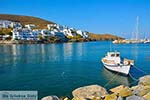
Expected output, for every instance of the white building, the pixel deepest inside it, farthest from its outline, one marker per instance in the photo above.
(30, 26)
(51, 26)
(24, 34)
(29, 34)
(53, 30)
(58, 34)
(4, 23)
(82, 33)
(46, 32)
(55, 27)
(67, 32)
(15, 25)
(60, 28)
(9, 24)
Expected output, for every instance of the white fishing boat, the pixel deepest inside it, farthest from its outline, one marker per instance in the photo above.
(112, 61)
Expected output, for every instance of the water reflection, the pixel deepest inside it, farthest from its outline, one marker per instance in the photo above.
(73, 49)
(42, 52)
(119, 79)
(68, 50)
(135, 51)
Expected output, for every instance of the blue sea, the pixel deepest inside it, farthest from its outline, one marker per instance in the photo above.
(58, 69)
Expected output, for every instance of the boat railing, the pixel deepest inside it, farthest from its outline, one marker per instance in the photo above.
(108, 61)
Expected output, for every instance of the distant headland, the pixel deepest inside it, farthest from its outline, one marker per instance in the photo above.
(28, 29)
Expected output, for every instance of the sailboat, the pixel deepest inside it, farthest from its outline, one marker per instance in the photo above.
(112, 61)
(135, 38)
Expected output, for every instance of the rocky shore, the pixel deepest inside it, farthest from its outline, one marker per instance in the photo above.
(95, 92)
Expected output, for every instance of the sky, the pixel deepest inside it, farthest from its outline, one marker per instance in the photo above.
(116, 17)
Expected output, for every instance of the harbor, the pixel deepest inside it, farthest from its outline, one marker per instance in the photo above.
(66, 66)
(135, 39)
(75, 50)
(130, 41)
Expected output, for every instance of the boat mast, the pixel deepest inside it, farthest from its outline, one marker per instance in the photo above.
(110, 46)
(137, 28)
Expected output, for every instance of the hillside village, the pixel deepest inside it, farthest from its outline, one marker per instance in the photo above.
(28, 29)
(30, 32)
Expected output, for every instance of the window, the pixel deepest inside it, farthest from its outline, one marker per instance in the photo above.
(112, 55)
(117, 55)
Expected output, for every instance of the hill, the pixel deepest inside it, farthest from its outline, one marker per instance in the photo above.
(103, 36)
(40, 23)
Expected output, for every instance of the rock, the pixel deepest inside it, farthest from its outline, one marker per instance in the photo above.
(122, 91)
(96, 98)
(64, 98)
(91, 97)
(117, 89)
(134, 98)
(147, 96)
(88, 91)
(110, 97)
(119, 98)
(140, 90)
(145, 80)
(125, 92)
(50, 98)
(78, 98)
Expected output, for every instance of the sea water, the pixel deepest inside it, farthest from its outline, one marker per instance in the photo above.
(58, 69)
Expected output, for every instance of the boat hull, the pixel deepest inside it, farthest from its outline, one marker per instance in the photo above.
(123, 69)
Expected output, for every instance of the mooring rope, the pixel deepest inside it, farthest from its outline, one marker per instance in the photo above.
(141, 70)
(133, 77)
(111, 80)
(135, 80)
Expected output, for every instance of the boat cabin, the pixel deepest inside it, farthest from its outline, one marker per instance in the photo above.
(113, 57)
(113, 54)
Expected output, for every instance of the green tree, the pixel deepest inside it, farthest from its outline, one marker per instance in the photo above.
(4, 31)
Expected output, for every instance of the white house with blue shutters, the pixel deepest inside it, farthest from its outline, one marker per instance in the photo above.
(9, 24)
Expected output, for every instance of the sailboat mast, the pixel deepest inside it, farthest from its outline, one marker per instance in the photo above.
(110, 46)
(137, 28)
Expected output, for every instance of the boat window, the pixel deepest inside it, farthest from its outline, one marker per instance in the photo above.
(112, 55)
(117, 55)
